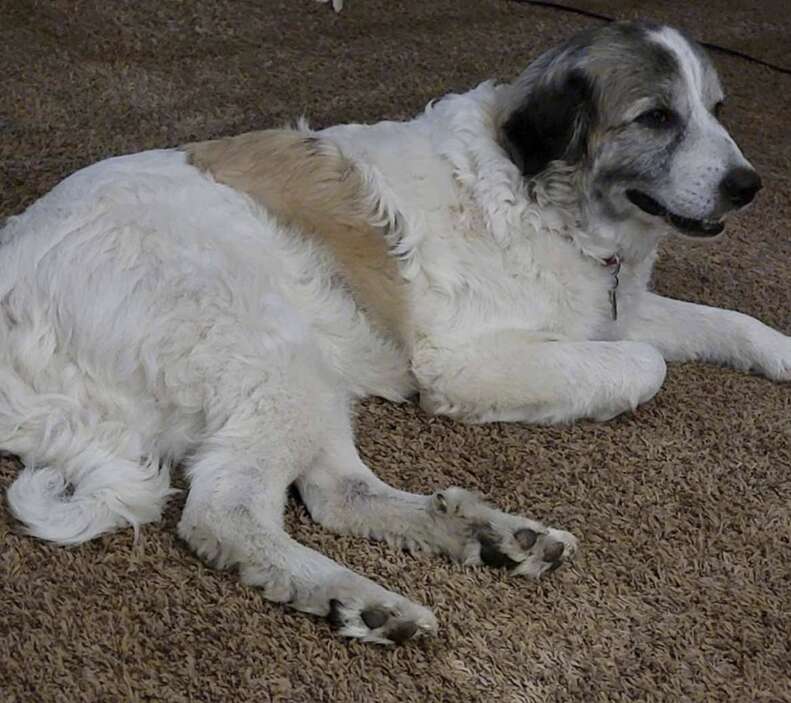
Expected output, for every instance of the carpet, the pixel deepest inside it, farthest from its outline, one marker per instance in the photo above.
(682, 589)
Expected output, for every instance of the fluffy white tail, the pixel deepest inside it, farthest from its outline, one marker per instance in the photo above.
(82, 474)
(102, 497)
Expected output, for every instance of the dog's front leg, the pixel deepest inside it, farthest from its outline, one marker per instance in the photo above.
(515, 375)
(685, 331)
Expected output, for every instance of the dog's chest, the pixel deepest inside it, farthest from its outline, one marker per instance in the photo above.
(539, 282)
(561, 290)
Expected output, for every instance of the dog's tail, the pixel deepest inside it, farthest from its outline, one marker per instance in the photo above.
(83, 476)
(106, 496)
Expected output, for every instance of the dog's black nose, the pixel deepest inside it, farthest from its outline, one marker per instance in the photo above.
(740, 186)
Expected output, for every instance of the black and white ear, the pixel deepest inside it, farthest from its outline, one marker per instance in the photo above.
(551, 124)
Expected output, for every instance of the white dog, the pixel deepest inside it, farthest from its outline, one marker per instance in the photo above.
(222, 304)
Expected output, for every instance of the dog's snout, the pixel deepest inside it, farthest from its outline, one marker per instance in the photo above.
(740, 186)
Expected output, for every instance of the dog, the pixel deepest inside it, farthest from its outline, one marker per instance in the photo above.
(221, 306)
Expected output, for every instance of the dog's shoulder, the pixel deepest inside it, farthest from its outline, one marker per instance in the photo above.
(325, 198)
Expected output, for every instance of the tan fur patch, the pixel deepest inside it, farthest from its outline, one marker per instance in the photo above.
(306, 182)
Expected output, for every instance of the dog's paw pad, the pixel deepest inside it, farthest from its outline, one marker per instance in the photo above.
(374, 618)
(402, 632)
(526, 538)
(491, 550)
(553, 552)
(385, 625)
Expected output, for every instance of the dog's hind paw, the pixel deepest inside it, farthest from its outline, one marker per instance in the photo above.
(537, 553)
(496, 539)
(392, 623)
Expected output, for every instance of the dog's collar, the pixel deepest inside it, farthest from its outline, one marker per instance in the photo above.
(614, 264)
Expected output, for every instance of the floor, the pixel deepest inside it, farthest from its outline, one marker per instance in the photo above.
(682, 591)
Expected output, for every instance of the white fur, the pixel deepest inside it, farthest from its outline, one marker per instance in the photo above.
(149, 316)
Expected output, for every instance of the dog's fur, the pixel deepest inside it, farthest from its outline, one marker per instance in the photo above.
(221, 305)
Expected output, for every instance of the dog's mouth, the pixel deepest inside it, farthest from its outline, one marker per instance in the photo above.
(685, 225)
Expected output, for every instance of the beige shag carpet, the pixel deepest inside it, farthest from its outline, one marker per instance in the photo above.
(682, 591)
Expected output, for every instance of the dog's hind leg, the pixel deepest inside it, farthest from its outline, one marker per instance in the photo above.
(344, 495)
(234, 513)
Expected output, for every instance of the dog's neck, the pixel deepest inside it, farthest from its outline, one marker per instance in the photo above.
(563, 188)
(510, 204)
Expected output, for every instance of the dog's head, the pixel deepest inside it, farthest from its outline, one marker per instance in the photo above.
(634, 109)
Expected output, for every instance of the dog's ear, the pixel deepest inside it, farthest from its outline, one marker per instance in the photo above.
(551, 124)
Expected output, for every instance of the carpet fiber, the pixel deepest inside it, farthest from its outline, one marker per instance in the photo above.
(682, 590)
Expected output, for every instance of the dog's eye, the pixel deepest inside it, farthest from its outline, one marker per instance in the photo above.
(717, 109)
(656, 119)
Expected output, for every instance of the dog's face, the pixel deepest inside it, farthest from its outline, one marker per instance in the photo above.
(635, 109)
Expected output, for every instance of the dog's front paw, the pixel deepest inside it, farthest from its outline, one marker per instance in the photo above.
(391, 622)
(500, 540)
(783, 370)
(775, 362)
